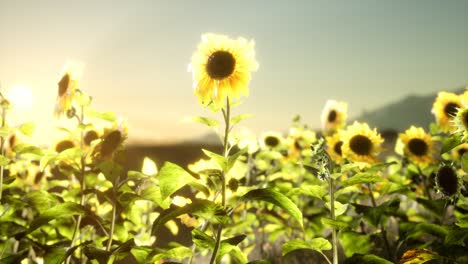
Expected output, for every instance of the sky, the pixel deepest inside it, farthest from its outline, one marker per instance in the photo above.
(136, 53)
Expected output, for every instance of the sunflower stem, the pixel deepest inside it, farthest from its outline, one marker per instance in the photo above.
(381, 226)
(2, 149)
(82, 182)
(331, 183)
(114, 213)
(226, 115)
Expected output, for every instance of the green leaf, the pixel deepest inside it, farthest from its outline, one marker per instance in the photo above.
(450, 143)
(178, 253)
(218, 158)
(233, 251)
(464, 162)
(367, 259)
(153, 193)
(234, 240)
(41, 200)
(171, 178)
(374, 214)
(94, 253)
(107, 116)
(202, 240)
(316, 191)
(363, 177)
(10, 229)
(235, 120)
(278, 199)
(82, 99)
(4, 160)
(111, 170)
(213, 123)
(317, 244)
(336, 224)
(233, 158)
(15, 258)
(55, 255)
(66, 209)
(354, 242)
(27, 149)
(27, 128)
(202, 208)
(339, 208)
(434, 206)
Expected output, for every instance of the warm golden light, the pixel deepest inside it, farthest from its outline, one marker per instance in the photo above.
(20, 97)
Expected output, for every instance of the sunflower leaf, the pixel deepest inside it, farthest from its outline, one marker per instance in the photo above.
(450, 143)
(238, 118)
(213, 123)
(276, 198)
(363, 177)
(317, 244)
(172, 177)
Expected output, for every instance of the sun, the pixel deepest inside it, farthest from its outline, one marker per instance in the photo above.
(20, 97)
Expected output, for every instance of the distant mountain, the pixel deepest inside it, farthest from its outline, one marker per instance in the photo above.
(412, 110)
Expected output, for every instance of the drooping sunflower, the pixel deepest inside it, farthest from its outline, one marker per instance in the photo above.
(360, 143)
(221, 68)
(418, 145)
(447, 180)
(445, 108)
(334, 144)
(111, 141)
(461, 123)
(68, 84)
(334, 115)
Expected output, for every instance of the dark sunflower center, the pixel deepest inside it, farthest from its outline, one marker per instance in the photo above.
(337, 147)
(418, 147)
(63, 84)
(111, 142)
(332, 116)
(271, 141)
(220, 65)
(447, 180)
(89, 137)
(298, 144)
(64, 145)
(360, 145)
(461, 151)
(451, 109)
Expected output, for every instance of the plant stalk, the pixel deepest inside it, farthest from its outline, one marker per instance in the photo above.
(226, 115)
(382, 228)
(2, 148)
(332, 214)
(112, 227)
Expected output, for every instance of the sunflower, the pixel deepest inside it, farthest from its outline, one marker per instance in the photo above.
(111, 141)
(360, 143)
(271, 141)
(458, 151)
(447, 180)
(299, 141)
(445, 108)
(461, 122)
(89, 136)
(221, 68)
(68, 84)
(334, 115)
(334, 144)
(64, 145)
(418, 145)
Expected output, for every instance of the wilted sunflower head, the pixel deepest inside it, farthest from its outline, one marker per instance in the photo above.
(461, 123)
(418, 145)
(271, 141)
(111, 141)
(447, 180)
(221, 68)
(67, 86)
(360, 143)
(445, 108)
(64, 145)
(334, 115)
(334, 144)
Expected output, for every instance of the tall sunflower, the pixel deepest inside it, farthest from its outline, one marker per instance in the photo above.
(360, 143)
(221, 68)
(445, 107)
(418, 145)
(68, 84)
(334, 144)
(334, 115)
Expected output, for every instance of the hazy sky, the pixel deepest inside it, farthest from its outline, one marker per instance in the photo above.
(136, 53)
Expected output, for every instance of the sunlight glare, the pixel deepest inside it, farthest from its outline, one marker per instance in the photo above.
(21, 97)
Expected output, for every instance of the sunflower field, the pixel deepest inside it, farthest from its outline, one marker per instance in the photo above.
(339, 195)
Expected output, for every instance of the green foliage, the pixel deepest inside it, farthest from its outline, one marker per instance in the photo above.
(318, 244)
